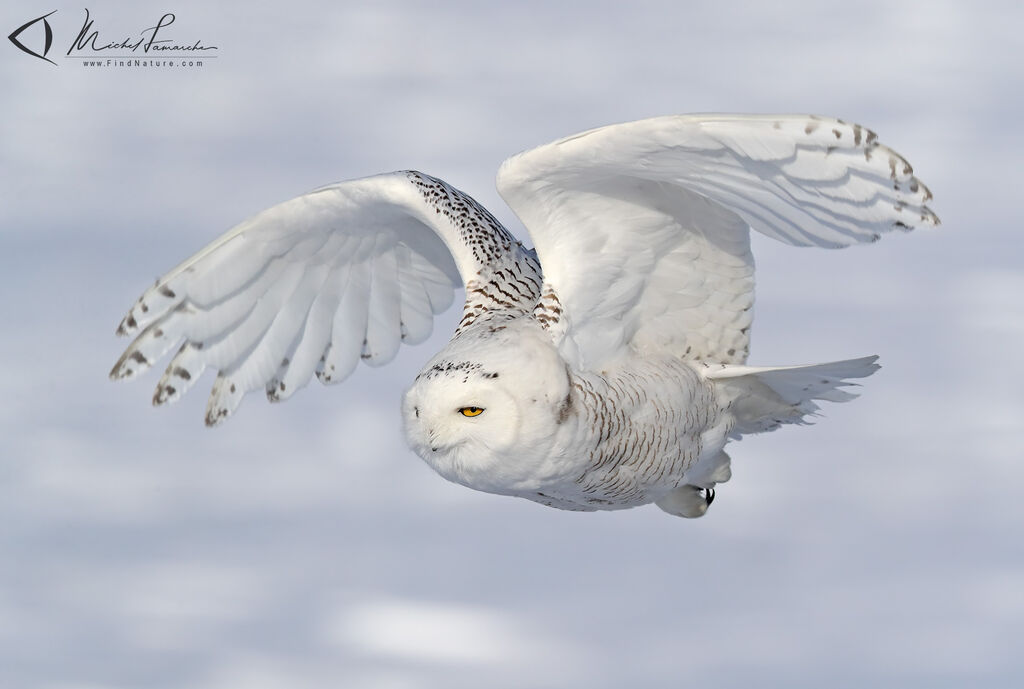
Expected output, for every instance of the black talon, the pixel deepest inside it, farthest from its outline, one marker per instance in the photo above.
(709, 496)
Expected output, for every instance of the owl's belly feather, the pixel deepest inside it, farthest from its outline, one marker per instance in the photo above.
(642, 427)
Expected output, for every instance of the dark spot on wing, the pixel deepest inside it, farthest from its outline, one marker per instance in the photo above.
(565, 408)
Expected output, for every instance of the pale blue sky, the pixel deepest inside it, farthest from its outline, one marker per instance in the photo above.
(302, 546)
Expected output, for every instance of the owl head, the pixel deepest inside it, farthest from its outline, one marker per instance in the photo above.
(485, 411)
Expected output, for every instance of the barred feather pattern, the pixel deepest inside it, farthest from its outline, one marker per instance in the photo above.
(508, 281)
(642, 428)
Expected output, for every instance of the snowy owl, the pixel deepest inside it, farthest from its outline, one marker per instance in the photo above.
(603, 369)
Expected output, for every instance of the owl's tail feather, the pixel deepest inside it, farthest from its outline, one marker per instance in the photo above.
(764, 398)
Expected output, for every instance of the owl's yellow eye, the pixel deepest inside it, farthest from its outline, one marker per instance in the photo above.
(471, 411)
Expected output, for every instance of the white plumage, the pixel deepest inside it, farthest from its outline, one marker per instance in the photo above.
(606, 369)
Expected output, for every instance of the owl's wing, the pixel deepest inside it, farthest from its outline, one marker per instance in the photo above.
(344, 273)
(643, 228)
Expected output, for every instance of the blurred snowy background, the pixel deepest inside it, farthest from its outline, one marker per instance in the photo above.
(302, 546)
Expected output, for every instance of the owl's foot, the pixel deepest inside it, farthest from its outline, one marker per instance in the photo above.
(687, 501)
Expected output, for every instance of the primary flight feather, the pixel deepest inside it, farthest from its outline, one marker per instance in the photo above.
(604, 369)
